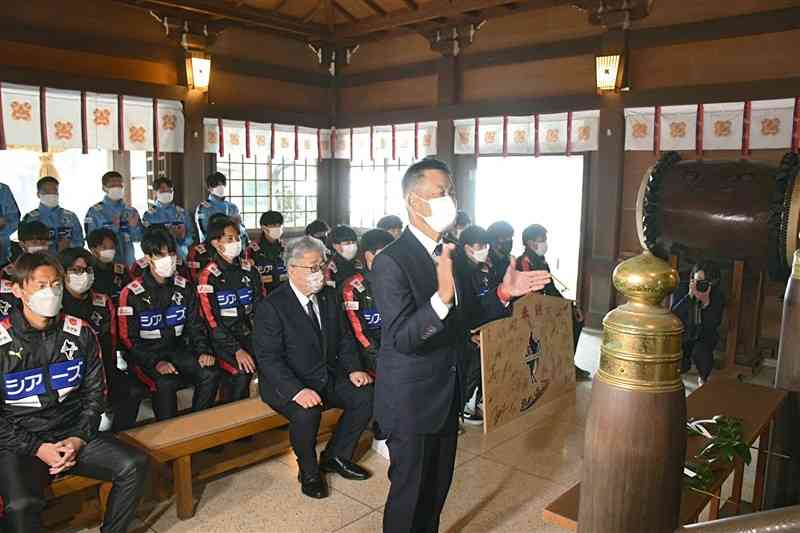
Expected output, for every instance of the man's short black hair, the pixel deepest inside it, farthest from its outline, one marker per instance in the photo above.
(390, 222)
(108, 176)
(216, 178)
(375, 239)
(162, 180)
(317, 226)
(417, 170)
(97, 236)
(155, 238)
(44, 181)
(68, 256)
(271, 218)
(473, 235)
(462, 219)
(710, 268)
(341, 234)
(533, 232)
(500, 230)
(25, 266)
(33, 231)
(216, 228)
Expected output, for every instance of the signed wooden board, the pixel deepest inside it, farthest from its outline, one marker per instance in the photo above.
(526, 359)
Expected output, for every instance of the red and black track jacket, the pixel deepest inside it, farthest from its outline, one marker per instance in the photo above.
(267, 258)
(99, 312)
(196, 260)
(363, 317)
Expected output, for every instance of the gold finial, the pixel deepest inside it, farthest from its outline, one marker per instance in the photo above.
(796, 265)
(641, 339)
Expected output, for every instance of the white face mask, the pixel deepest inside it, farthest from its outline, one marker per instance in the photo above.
(165, 266)
(165, 197)
(49, 200)
(479, 256)
(443, 212)
(38, 248)
(315, 281)
(232, 249)
(218, 191)
(80, 283)
(107, 256)
(115, 193)
(275, 233)
(540, 248)
(46, 302)
(349, 251)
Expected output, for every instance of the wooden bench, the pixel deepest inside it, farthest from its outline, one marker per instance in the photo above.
(176, 441)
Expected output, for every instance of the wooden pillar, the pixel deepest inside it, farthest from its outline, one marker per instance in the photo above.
(464, 170)
(449, 92)
(605, 195)
(193, 182)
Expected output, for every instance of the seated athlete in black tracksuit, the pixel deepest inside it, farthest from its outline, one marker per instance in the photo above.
(266, 252)
(158, 323)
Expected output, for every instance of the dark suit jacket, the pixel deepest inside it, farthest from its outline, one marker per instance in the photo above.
(418, 362)
(289, 353)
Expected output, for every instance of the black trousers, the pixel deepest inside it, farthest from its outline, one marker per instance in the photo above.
(699, 353)
(24, 479)
(420, 473)
(235, 387)
(472, 371)
(356, 402)
(126, 394)
(165, 397)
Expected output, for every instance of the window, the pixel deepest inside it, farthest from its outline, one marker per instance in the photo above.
(375, 191)
(255, 186)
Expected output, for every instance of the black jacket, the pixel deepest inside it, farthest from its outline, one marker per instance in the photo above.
(363, 316)
(109, 279)
(155, 320)
(418, 362)
(707, 330)
(477, 292)
(339, 269)
(228, 293)
(268, 259)
(53, 383)
(532, 261)
(7, 298)
(289, 353)
(98, 310)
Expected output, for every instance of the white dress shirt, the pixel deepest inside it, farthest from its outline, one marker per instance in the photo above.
(439, 307)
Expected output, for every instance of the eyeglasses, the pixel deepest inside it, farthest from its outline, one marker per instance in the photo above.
(79, 270)
(313, 268)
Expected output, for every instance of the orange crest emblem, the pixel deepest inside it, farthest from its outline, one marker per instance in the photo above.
(102, 117)
(63, 130)
(584, 132)
(722, 128)
(520, 136)
(551, 136)
(136, 134)
(168, 122)
(639, 130)
(261, 140)
(463, 136)
(490, 137)
(234, 139)
(677, 130)
(307, 144)
(284, 142)
(212, 137)
(770, 126)
(20, 110)
(427, 139)
(326, 146)
(382, 143)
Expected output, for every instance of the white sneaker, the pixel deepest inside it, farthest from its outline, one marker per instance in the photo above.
(380, 447)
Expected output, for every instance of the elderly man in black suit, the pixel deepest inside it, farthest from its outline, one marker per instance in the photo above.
(308, 362)
(417, 396)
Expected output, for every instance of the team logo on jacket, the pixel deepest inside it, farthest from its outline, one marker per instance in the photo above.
(5, 307)
(96, 319)
(372, 318)
(24, 387)
(72, 325)
(226, 299)
(68, 349)
(245, 295)
(66, 376)
(177, 298)
(175, 315)
(150, 324)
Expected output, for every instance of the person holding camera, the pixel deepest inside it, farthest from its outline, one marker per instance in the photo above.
(699, 304)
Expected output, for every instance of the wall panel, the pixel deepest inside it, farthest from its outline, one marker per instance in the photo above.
(399, 94)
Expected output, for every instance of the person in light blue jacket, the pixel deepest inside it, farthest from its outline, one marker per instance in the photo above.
(65, 228)
(216, 203)
(174, 217)
(9, 220)
(113, 213)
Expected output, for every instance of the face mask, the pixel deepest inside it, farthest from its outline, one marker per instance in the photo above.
(504, 248)
(46, 302)
(107, 256)
(165, 197)
(349, 251)
(232, 249)
(49, 200)
(479, 256)
(540, 248)
(165, 266)
(315, 281)
(80, 283)
(443, 212)
(115, 193)
(274, 233)
(218, 191)
(34, 249)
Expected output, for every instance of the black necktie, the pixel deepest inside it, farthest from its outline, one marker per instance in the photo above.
(437, 252)
(313, 316)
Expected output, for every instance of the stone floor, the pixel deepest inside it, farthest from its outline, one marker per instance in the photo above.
(502, 482)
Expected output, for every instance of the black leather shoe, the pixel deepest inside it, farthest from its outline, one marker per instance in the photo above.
(313, 486)
(346, 469)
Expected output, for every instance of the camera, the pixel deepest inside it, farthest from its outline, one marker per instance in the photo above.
(702, 285)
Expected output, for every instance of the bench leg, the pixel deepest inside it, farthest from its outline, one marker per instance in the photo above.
(182, 475)
(102, 496)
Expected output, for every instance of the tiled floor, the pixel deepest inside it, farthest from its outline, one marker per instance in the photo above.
(502, 482)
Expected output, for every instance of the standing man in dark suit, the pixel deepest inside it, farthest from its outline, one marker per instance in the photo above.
(417, 396)
(308, 362)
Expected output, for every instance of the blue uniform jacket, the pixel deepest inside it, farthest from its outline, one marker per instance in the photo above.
(64, 225)
(212, 206)
(10, 212)
(114, 216)
(174, 217)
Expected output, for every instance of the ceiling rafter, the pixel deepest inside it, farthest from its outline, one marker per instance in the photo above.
(411, 4)
(375, 6)
(313, 11)
(338, 7)
(280, 5)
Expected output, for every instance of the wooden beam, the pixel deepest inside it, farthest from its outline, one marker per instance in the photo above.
(411, 4)
(432, 10)
(262, 114)
(375, 6)
(280, 5)
(313, 11)
(338, 7)
(330, 17)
